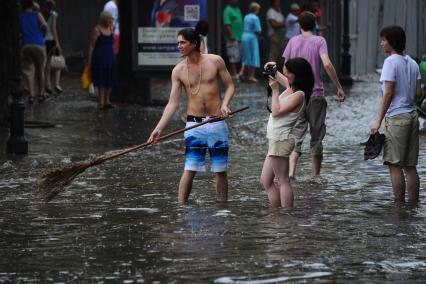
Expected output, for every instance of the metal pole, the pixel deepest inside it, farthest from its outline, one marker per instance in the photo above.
(346, 78)
(17, 143)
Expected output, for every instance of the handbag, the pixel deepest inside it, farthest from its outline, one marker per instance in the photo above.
(85, 78)
(233, 51)
(57, 60)
(92, 90)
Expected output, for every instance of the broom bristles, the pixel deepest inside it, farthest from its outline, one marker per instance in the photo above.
(53, 180)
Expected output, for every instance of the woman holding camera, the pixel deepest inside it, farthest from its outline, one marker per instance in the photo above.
(298, 80)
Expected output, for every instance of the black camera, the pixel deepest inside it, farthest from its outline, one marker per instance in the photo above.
(269, 71)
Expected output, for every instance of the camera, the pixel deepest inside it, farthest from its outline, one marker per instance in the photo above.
(269, 71)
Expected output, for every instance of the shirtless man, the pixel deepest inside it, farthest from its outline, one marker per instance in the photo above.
(198, 74)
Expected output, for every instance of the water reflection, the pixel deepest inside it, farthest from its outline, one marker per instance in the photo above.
(120, 222)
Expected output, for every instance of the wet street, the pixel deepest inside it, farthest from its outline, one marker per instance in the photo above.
(120, 222)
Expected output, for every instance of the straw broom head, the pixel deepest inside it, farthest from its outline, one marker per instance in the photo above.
(53, 180)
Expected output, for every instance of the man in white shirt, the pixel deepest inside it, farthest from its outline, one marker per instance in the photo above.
(292, 21)
(401, 84)
(112, 7)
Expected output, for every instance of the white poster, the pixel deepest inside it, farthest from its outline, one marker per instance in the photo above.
(157, 36)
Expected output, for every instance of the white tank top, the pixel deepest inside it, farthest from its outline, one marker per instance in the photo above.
(49, 33)
(279, 128)
(204, 38)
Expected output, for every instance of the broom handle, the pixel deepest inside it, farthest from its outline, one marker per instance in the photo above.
(213, 119)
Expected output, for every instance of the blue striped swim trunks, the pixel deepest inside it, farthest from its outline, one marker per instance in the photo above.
(212, 136)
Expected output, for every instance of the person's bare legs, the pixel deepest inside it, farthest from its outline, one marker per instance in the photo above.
(294, 157)
(413, 183)
(48, 77)
(232, 69)
(316, 165)
(267, 180)
(57, 78)
(222, 186)
(280, 166)
(102, 96)
(398, 182)
(107, 94)
(185, 186)
(251, 75)
(241, 73)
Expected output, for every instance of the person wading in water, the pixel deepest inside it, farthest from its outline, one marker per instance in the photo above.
(199, 75)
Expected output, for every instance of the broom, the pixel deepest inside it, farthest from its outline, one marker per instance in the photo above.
(53, 180)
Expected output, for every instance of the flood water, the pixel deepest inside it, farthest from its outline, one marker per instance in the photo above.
(120, 222)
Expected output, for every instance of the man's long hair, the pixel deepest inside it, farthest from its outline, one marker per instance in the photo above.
(192, 36)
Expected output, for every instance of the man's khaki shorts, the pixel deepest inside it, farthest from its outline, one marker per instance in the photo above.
(315, 117)
(281, 148)
(401, 146)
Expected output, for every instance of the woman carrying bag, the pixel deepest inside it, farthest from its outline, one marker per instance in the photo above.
(101, 59)
(55, 60)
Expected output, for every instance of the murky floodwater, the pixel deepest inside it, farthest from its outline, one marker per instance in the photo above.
(120, 222)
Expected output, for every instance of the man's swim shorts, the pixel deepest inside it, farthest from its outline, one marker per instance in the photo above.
(212, 136)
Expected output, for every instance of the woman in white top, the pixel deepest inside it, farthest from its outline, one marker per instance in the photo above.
(52, 46)
(298, 80)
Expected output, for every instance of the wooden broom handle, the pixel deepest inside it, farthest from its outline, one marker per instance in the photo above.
(128, 150)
